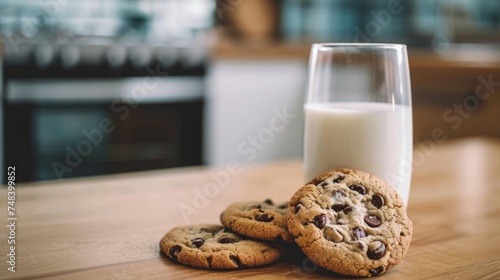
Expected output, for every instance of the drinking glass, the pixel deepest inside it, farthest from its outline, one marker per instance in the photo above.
(358, 112)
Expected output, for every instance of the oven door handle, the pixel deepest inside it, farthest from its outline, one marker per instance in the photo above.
(149, 89)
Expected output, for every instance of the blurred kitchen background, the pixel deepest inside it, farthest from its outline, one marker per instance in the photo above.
(99, 87)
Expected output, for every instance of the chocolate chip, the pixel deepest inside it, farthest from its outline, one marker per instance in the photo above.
(372, 221)
(264, 218)
(378, 200)
(205, 230)
(376, 271)
(323, 184)
(376, 250)
(358, 188)
(348, 209)
(268, 201)
(174, 251)
(297, 208)
(256, 206)
(359, 233)
(283, 206)
(236, 260)
(339, 179)
(227, 240)
(320, 221)
(338, 193)
(361, 246)
(338, 207)
(198, 242)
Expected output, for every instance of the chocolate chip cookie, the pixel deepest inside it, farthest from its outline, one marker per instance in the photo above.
(350, 222)
(213, 246)
(262, 220)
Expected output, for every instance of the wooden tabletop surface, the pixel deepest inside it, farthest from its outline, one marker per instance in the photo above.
(109, 227)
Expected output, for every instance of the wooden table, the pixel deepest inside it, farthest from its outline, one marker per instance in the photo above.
(109, 227)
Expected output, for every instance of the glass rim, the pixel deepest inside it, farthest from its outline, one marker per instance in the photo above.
(332, 46)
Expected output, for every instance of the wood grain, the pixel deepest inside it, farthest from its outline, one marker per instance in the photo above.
(109, 227)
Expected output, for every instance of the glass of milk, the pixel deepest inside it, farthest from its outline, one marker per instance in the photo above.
(358, 112)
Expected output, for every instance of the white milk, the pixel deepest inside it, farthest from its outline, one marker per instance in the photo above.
(372, 137)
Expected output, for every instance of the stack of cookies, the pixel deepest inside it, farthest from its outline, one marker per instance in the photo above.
(344, 220)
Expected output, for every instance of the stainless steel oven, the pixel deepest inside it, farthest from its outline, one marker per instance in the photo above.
(60, 128)
(92, 88)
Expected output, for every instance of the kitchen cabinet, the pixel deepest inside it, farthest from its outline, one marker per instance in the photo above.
(458, 93)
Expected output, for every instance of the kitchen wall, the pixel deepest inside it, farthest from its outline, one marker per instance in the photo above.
(254, 110)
